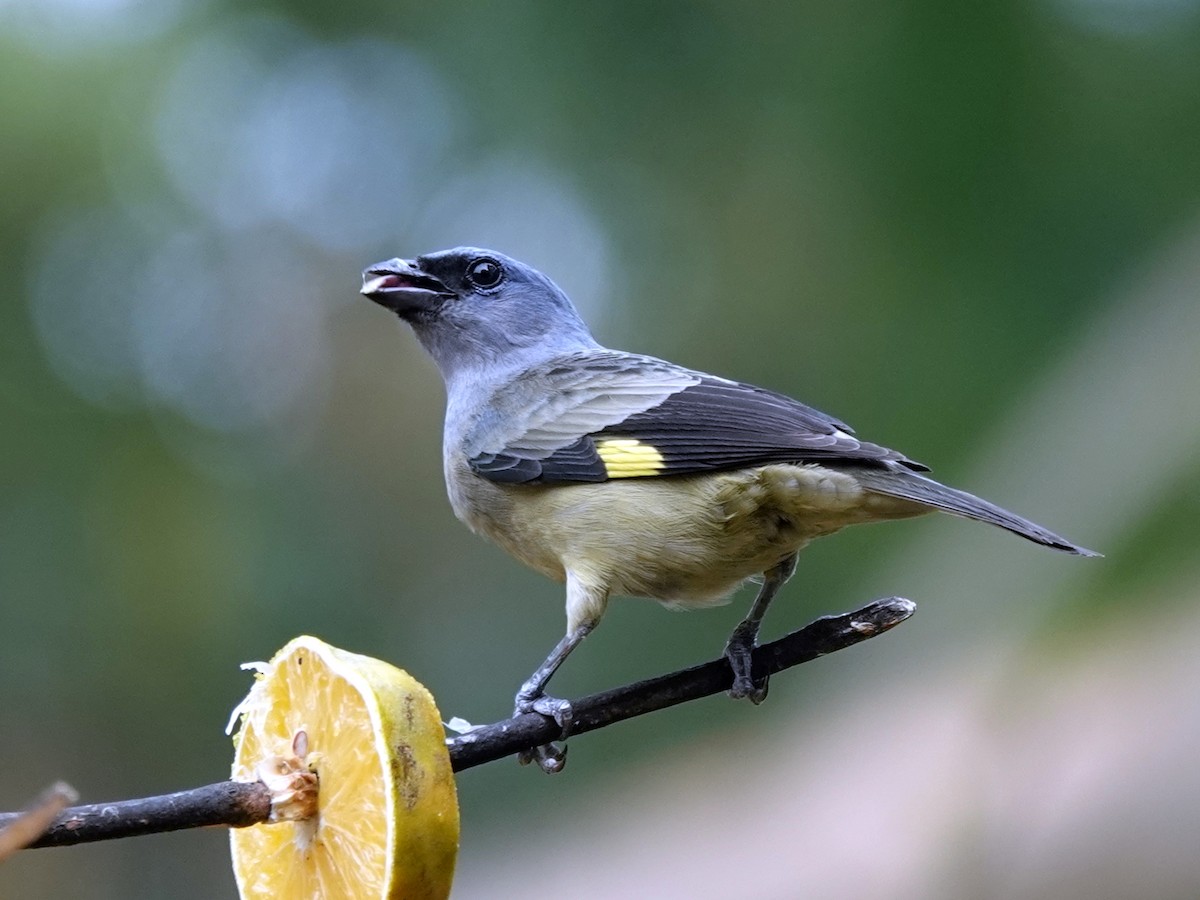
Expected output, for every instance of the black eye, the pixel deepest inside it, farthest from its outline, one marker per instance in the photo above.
(485, 273)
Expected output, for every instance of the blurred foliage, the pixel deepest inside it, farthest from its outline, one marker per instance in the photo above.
(904, 213)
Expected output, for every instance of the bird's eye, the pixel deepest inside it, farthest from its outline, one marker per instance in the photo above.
(485, 273)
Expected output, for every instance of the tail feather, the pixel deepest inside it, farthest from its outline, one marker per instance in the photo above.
(910, 486)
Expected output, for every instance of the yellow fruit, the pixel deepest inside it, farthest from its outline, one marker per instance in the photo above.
(387, 815)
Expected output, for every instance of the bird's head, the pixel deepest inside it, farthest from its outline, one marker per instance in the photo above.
(478, 310)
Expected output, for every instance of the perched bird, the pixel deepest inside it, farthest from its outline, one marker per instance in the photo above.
(624, 474)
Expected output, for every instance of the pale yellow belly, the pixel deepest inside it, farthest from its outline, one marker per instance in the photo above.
(686, 541)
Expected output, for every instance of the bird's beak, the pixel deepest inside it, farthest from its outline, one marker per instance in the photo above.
(403, 288)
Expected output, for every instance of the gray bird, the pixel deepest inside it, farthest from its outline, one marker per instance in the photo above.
(624, 474)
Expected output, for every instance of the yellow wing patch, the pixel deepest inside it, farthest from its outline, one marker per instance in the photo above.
(629, 458)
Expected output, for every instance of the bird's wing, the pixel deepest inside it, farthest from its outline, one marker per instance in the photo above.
(599, 415)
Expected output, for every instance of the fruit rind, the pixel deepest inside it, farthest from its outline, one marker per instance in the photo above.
(407, 734)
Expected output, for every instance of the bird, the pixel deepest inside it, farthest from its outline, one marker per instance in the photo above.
(621, 474)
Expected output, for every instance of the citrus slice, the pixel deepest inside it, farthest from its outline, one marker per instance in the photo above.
(386, 813)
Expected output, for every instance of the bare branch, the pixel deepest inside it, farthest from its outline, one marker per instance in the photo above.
(226, 803)
(237, 804)
(819, 638)
(26, 827)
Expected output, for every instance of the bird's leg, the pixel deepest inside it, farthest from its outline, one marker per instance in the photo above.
(740, 646)
(531, 698)
(585, 605)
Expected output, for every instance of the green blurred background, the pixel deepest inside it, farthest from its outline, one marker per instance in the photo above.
(970, 230)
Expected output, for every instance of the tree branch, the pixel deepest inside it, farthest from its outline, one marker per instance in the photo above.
(237, 804)
(24, 828)
(819, 638)
(230, 803)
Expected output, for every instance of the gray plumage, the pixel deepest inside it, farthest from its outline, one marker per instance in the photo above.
(624, 474)
(920, 489)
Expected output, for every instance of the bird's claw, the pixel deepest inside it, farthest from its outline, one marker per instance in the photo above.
(559, 710)
(550, 758)
(555, 708)
(748, 689)
(740, 653)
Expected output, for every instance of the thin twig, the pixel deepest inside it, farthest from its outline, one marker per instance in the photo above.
(824, 636)
(24, 828)
(230, 803)
(238, 804)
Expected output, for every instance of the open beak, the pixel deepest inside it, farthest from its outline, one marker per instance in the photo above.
(403, 288)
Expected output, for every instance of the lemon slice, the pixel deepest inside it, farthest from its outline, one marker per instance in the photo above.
(386, 813)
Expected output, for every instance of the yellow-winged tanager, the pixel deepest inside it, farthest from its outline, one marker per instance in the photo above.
(625, 474)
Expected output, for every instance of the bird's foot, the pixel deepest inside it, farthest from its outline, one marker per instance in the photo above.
(550, 758)
(740, 652)
(559, 710)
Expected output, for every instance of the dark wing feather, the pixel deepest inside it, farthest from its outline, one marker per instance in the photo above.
(694, 422)
(725, 425)
(578, 462)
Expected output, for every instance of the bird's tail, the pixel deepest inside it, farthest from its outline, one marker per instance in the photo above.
(911, 486)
